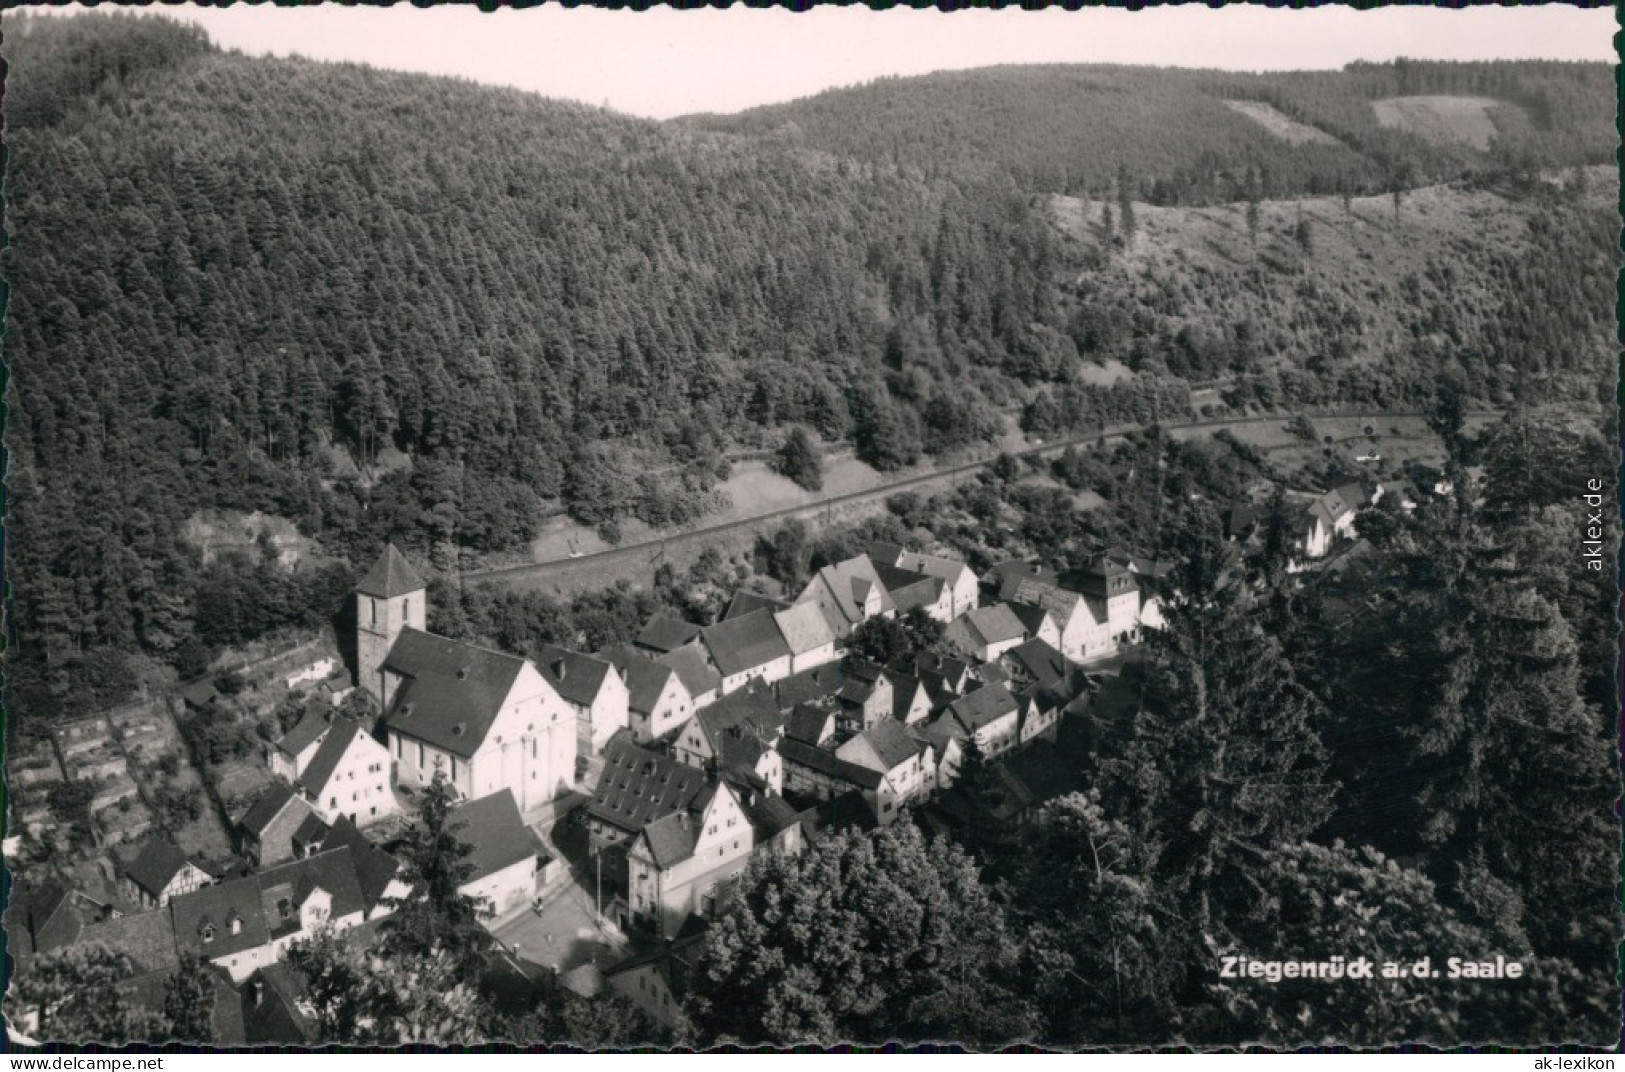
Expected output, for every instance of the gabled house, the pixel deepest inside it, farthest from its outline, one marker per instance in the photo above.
(910, 590)
(744, 603)
(1037, 623)
(1104, 610)
(658, 982)
(911, 701)
(808, 636)
(507, 858)
(158, 873)
(990, 716)
(489, 720)
(986, 633)
(693, 667)
(291, 753)
(1038, 713)
(819, 686)
(848, 593)
(735, 737)
(811, 725)
(902, 761)
(747, 647)
(681, 864)
(657, 701)
(636, 787)
(819, 774)
(1037, 662)
(865, 697)
(266, 831)
(593, 689)
(960, 589)
(348, 774)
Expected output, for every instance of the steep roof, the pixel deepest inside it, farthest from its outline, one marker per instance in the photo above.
(147, 938)
(499, 837)
(828, 763)
(645, 679)
(908, 588)
(574, 676)
(670, 839)
(741, 644)
(1058, 601)
(748, 712)
(333, 870)
(212, 909)
(665, 633)
(891, 743)
(392, 575)
(995, 624)
(1039, 661)
(852, 580)
(693, 668)
(329, 754)
(770, 816)
(453, 690)
(809, 724)
(374, 868)
(809, 686)
(1008, 577)
(986, 705)
(1031, 616)
(904, 687)
(155, 866)
(307, 732)
(267, 806)
(744, 603)
(947, 570)
(804, 628)
(638, 786)
(882, 553)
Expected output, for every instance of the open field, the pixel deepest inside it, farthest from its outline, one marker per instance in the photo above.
(1463, 120)
(1282, 126)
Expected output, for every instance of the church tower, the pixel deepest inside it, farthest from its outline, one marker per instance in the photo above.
(391, 597)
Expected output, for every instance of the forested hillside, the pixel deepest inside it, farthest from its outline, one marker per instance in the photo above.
(389, 306)
(1172, 138)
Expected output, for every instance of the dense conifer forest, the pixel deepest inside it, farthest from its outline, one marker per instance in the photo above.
(393, 306)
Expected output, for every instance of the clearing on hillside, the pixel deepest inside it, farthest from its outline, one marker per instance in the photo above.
(1463, 120)
(1282, 126)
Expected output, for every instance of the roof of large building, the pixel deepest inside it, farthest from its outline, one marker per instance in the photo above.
(638, 786)
(1008, 577)
(574, 676)
(453, 690)
(693, 669)
(492, 826)
(995, 624)
(804, 628)
(330, 753)
(986, 705)
(646, 679)
(155, 866)
(742, 644)
(665, 633)
(392, 575)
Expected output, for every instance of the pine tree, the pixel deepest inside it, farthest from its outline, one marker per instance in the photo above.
(436, 917)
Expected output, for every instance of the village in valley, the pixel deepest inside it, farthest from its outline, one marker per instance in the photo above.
(609, 799)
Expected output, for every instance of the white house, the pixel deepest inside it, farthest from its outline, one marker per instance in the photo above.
(986, 632)
(657, 700)
(746, 648)
(681, 863)
(348, 774)
(958, 579)
(507, 859)
(990, 716)
(807, 635)
(848, 593)
(489, 720)
(892, 752)
(593, 689)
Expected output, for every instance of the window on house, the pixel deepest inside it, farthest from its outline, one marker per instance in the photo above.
(208, 934)
(332, 802)
(373, 606)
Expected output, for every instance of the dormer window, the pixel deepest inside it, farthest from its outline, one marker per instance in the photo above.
(236, 924)
(206, 931)
(284, 908)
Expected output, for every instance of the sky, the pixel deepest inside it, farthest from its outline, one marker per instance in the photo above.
(661, 63)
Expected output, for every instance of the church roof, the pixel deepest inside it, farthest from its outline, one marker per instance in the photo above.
(392, 575)
(453, 690)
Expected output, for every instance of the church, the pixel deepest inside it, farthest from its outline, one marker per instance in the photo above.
(488, 719)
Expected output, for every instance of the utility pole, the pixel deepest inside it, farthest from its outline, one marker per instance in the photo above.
(598, 858)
